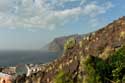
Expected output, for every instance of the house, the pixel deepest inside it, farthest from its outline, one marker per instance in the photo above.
(32, 69)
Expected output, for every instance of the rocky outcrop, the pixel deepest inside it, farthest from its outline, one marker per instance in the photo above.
(98, 44)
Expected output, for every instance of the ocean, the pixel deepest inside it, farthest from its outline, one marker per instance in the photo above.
(12, 58)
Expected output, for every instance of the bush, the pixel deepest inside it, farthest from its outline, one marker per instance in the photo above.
(92, 76)
(111, 70)
(117, 63)
(96, 70)
(123, 79)
(70, 43)
(63, 77)
(122, 34)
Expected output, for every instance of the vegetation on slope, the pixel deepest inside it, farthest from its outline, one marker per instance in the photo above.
(111, 70)
(98, 58)
(63, 77)
(97, 70)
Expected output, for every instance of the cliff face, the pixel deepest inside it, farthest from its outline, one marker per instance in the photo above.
(101, 44)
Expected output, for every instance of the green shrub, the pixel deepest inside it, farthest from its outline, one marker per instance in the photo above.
(123, 79)
(97, 70)
(70, 43)
(117, 63)
(92, 76)
(111, 70)
(63, 77)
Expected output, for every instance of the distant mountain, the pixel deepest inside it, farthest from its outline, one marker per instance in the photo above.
(57, 45)
(96, 58)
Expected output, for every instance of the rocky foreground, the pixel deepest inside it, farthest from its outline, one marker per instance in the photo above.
(80, 62)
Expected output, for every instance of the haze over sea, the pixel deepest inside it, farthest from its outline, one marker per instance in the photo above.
(12, 58)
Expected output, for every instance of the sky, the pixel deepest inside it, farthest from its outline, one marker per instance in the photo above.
(31, 24)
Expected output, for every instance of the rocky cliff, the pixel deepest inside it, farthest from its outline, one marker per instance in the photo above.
(96, 47)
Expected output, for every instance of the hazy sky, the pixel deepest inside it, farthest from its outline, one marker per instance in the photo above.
(31, 24)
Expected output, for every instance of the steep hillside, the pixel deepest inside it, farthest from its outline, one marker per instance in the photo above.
(97, 58)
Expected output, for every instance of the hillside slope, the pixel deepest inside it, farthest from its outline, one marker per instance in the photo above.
(83, 61)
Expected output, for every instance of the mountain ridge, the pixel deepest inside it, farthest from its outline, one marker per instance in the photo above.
(101, 44)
